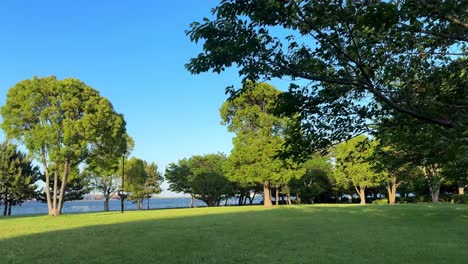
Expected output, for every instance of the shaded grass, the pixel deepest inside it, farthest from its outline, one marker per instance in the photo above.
(295, 234)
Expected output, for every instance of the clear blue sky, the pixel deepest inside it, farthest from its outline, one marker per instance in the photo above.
(134, 53)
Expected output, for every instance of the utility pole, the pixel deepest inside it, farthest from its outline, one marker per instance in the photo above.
(122, 187)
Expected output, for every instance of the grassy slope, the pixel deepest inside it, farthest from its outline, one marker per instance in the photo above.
(297, 234)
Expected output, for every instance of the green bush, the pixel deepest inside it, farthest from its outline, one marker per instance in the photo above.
(380, 201)
(460, 199)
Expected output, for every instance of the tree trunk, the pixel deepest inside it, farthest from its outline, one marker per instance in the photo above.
(391, 189)
(252, 198)
(362, 194)
(435, 191)
(192, 200)
(54, 194)
(289, 199)
(266, 194)
(149, 202)
(461, 190)
(106, 204)
(9, 207)
(298, 199)
(47, 178)
(5, 210)
(277, 197)
(226, 201)
(66, 171)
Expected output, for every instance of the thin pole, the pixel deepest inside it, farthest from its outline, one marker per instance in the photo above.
(122, 187)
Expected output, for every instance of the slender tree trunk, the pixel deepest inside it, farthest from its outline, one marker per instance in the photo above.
(192, 200)
(6, 202)
(362, 194)
(54, 193)
(461, 190)
(66, 171)
(288, 196)
(252, 198)
(47, 178)
(277, 196)
(9, 207)
(149, 198)
(298, 199)
(106, 204)
(226, 201)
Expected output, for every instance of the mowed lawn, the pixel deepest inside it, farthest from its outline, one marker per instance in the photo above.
(290, 234)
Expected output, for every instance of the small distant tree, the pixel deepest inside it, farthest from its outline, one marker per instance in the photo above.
(17, 177)
(135, 178)
(207, 179)
(315, 180)
(177, 174)
(353, 167)
(153, 181)
(202, 177)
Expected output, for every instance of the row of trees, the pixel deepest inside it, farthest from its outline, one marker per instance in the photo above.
(257, 163)
(393, 70)
(79, 140)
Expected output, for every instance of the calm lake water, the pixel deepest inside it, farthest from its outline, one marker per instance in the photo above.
(28, 208)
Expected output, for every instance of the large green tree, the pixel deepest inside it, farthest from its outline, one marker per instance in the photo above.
(17, 177)
(353, 168)
(62, 123)
(352, 61)
(259, 139)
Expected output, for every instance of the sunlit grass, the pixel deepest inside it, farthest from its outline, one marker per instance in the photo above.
(295, 234)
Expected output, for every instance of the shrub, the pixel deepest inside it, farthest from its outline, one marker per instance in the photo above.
(460, 199)
(380, 201)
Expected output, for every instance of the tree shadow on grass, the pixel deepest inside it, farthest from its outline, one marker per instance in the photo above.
(285, 235)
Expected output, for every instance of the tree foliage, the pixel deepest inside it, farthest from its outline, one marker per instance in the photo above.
(202, 177)
(353, 165)
(17, 177)
(62, 123)
(259, 139)
(358, 60)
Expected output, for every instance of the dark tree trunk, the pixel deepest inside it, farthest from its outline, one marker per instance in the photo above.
(5, 210)
(298, 199)
(106, 204)
(252, 198)
(226, 201)
(9, 207)
(267, 195)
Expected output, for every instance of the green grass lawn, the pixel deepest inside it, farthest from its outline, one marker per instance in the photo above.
(291, 234)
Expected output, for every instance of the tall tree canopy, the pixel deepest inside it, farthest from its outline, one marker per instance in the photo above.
(359, 60)
(259, 139)
(62, 123)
